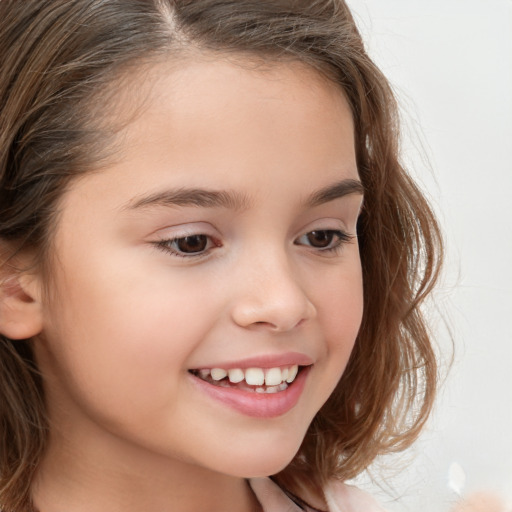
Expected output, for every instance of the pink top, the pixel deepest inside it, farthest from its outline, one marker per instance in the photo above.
(338, 496)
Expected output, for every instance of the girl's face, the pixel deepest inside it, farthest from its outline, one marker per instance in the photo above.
(222, 241)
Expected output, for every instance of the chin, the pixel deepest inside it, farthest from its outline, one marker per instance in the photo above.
(263, 459)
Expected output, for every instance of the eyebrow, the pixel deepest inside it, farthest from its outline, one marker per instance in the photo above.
(192, 197)
(335, 191)
(206, 198)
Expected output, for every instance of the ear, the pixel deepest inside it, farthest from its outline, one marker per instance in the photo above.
(20, 304)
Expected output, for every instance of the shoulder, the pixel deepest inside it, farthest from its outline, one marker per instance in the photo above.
(341, 497)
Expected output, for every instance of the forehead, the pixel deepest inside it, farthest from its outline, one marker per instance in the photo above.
(203, 101)
(212, 123)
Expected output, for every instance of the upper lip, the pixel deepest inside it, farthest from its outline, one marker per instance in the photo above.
(263, 361)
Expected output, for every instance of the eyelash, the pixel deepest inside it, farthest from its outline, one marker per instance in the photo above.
(336, 240)
(167, 246)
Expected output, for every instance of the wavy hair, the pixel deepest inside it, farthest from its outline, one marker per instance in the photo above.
(59, 58)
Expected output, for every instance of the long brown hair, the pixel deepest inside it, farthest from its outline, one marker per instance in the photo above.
(58, 61)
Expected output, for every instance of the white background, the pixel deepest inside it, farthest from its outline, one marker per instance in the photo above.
(450, 63)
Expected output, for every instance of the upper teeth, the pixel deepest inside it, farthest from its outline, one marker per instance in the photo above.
(254, 376)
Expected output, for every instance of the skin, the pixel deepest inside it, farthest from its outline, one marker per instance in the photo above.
(483, 501)
(126, 319)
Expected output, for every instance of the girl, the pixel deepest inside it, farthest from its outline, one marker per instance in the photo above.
(193, 295)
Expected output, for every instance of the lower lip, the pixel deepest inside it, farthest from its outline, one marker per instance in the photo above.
(258, 405)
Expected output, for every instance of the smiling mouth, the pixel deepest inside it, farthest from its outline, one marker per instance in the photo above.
(256, 380)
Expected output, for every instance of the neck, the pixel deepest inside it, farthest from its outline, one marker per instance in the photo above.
(96, 473)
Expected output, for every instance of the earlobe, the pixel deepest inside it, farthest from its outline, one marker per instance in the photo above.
(20, 307)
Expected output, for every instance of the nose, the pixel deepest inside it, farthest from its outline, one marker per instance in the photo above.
(269, 295)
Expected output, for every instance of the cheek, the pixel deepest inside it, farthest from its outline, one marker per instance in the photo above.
(340, 315)
(341, 300)
(344, 311)
(119, 344)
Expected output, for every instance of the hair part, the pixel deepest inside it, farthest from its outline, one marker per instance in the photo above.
(62, 60)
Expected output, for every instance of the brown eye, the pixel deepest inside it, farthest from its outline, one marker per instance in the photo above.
(191, 244)
(320, 239)
(324, 239)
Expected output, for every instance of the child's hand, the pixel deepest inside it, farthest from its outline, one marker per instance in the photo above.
(481, 502)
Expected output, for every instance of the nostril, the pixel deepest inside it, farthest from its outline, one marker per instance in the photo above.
(278, 326)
